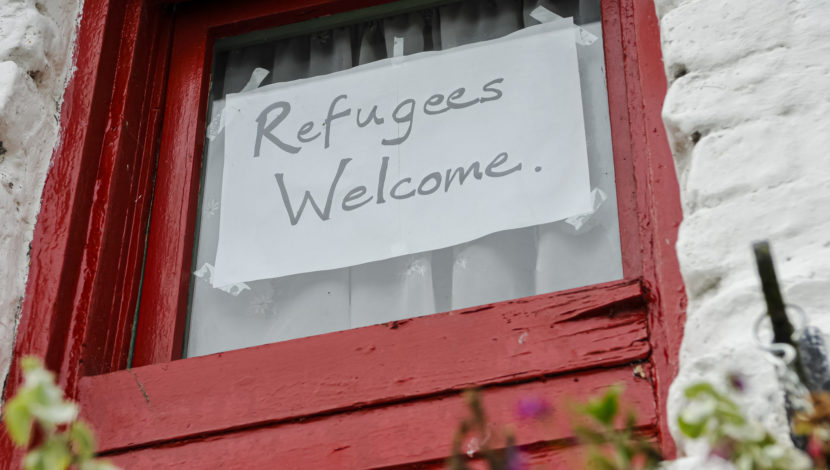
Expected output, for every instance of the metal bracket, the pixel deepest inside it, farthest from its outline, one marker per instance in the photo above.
(800, 354)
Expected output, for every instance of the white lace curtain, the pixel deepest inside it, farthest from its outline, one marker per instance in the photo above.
(501, 266)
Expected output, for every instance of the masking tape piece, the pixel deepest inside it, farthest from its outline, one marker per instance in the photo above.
(218, 123)
(584, 37)
(581, 221)
(581, 36)
(206, 273)
(543, 15)
(257, 76)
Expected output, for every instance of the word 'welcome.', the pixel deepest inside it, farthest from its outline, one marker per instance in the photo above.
(402, 156)
(400, 190)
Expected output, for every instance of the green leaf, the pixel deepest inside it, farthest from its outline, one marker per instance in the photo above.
(82, 440)
(51, 455)
(728, 414)
(18, 420)
(589, 436)
(691, 429)
(605, 408)
(30, 363)
(701, 389)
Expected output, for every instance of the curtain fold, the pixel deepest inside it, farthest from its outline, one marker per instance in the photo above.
(500, 266)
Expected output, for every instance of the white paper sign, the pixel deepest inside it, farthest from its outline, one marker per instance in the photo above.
(401, 156)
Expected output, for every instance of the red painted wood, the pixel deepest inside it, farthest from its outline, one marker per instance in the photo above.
(403, 434)
(402, 360)
(61, 226)
(167, 270)
(88, 242)
(95, 259)
(658, 208)
(114, 250)
(219, 20)
(627, 187)
(63, 220)
(662, 277)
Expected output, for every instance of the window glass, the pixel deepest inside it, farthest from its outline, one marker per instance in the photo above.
(505, 265)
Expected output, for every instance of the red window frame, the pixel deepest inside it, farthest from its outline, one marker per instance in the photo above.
(161, 322)
(141, 61)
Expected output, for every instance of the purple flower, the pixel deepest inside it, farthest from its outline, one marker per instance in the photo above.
(736, 381)
(533, 408)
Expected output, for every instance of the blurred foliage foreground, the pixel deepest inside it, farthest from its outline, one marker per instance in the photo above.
(39, 418)
(612, 441)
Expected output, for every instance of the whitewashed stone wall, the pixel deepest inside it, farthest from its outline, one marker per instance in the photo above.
(36, 42)
(748, 118)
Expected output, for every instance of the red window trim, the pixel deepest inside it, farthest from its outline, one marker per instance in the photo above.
(84, 279)
(373, 366)
(399, 436)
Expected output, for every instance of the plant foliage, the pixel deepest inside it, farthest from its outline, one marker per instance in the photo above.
(612, 441)
(63, 441)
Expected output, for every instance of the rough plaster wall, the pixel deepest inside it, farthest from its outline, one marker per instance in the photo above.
(36, 40)
(748, 118)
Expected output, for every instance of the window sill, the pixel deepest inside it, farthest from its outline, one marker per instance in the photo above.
(509, 342)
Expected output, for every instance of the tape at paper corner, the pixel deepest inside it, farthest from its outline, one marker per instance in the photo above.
(207, 272)
(581, 36)
(583, 223)
(217, 124)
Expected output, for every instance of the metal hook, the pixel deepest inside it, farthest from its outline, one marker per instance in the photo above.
(774, 347)
(782, 329)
